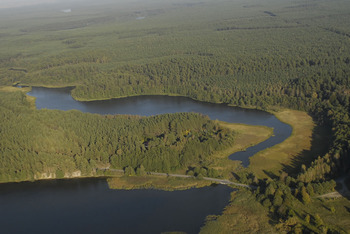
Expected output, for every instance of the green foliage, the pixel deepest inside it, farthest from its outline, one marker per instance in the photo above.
(58, 142)
(190, 173)
(305, 197)
(59, 174)
(111, 54)
(298, 229)
(322, 187)
(213, 173)
(310, 189)
(267, 203)
(265, 56)
(140, 171)
(291, 213)
(203, 172)
(270, 190)
(332, 209)
(129, 171)
(307, 218)
(317, 220)
(300, 212)
(278, 200)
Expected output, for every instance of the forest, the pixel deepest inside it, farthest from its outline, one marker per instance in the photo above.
(268, 55)
(57, 143)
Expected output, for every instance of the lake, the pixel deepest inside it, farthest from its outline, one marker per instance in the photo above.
(89, 206)
(61, 99)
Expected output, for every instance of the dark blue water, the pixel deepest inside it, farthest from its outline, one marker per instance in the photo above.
(154, 105)
(89, 206)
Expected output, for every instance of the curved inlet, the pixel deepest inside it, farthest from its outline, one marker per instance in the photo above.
(61, 99)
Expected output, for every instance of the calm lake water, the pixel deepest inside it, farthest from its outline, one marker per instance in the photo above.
(60, 98)
(89, 206)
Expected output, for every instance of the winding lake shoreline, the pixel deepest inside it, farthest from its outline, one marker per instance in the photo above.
(61, 99)
(69, 204)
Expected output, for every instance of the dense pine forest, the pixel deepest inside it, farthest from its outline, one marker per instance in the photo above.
(37, 144)
(257, 54)
(270, 55)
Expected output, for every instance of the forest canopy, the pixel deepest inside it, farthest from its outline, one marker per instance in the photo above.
(269, 55)
(58, 143)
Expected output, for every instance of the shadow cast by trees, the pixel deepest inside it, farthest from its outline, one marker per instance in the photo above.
(347, 209)
(343, 187)
(271, 175)
(319, 146)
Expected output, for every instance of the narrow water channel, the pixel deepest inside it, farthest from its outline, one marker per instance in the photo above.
(61, 99)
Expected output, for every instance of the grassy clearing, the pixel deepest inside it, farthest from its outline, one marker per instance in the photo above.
(280, 156)
(246, 136)
(12, 89)
(15, 89)
(242, 215)
(30, 99)
(155, 182)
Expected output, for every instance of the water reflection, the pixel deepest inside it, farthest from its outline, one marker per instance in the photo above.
(89, 206)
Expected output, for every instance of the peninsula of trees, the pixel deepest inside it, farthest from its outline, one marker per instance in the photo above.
(38, 144)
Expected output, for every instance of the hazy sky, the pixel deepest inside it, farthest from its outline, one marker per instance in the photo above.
(18, 3)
